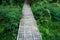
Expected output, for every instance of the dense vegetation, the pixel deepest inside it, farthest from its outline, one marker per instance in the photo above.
(47, 15)
(10, 15)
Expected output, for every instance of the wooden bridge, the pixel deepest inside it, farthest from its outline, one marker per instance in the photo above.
(28, 28)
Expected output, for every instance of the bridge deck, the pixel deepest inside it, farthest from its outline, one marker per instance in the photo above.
(28, 28)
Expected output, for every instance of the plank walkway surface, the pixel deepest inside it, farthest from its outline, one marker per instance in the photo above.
(28, 28)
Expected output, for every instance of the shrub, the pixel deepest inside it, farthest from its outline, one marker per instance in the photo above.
(48, 19)
(9, 22)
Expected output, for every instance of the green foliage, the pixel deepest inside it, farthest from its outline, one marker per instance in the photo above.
(47, 16)
(9, 22)
(10, 15)
(11, 2)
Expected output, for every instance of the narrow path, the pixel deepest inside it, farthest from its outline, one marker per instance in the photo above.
(28, 28)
